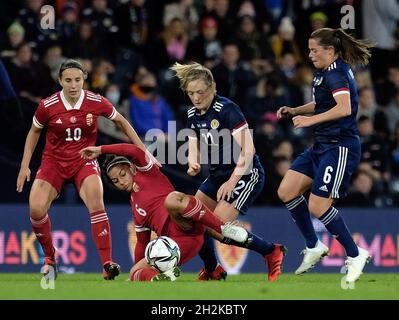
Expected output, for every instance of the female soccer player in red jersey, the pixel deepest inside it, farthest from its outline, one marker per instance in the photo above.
(70, 117)
(156, 206)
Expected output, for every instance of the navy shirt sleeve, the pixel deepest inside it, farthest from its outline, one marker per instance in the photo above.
(337, 82)
(233, 118)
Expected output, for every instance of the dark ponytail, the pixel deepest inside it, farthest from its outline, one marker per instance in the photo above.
(351, 50)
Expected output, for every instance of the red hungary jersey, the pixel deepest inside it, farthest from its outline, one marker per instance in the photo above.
(71, 128)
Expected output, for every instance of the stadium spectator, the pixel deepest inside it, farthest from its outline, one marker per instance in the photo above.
(31, 79)
(133, 28)
(70, 117)
(85, 44)
(171, 46)
(374, 154)
(30, 18)
(68, 26)
(233, 79)
(15, 37)
(327, 166)
(186, 12)
(53, 59)
(360, 193)
(285, 41)
(384, 16)
(101, 18)
(252, 43)
(147, 109)
(205, 48)
(235, 180)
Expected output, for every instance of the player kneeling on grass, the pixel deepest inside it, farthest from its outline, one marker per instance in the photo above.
(156, 206)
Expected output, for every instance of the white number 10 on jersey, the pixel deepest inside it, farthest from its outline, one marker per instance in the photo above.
(77, 134)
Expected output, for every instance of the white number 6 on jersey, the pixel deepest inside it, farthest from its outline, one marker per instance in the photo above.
(327, 174)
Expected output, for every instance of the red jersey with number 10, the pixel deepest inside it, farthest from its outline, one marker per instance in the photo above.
(70, 128)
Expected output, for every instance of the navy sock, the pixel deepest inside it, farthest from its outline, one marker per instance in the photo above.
(207, 253)
(337, 227)
(253, 243)
(298, 208)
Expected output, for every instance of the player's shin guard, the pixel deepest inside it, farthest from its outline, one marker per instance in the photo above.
(42, 230)
(198, 212)
(144, 274)
(101, 233)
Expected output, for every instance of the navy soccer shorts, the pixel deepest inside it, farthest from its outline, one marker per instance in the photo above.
(244, 194)
(330, 170)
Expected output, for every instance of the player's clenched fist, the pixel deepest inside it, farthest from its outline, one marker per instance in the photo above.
(193, 169)
(90, 153)
(285, 112)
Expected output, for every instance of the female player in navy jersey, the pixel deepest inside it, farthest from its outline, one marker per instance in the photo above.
(236, 175)
(326, 167)
(70, 117)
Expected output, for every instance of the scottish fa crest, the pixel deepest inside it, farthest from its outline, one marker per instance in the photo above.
(317, 81)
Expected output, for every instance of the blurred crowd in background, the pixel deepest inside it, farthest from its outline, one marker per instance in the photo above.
(257, 51)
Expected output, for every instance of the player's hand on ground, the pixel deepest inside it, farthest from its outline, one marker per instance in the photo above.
(90, 153)
(285, 112)
(302, 121)
(24, 174)
(225, 190)
(193, 169)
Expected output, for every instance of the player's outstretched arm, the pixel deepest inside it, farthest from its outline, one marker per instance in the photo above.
(30, 145)
(127, 129)
(291, 112)
(90, 153)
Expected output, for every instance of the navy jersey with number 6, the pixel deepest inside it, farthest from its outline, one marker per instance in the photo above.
(335, 154)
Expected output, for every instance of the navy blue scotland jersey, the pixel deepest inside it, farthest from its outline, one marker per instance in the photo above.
(335, 80)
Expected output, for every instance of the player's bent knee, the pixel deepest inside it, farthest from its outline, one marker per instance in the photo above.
(174, 200)
(284, 193)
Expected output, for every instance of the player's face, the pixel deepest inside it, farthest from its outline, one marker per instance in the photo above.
(321, 56)
(72, 82)
(122, 177)
(201, 94)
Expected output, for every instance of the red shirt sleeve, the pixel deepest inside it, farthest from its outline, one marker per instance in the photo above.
(41, 116)
(106, 108)
(138, 156)
(143, 238)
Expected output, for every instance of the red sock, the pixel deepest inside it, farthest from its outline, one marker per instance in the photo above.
(101, 235)
(197, 211)
(42, 229)
(144, 274)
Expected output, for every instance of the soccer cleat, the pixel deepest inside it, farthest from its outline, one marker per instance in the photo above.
(111, 270)
(355, 265)
(274, 261)
(312, 256)
(169, 275)
(50, 268)
(233, 231)
(218, 274)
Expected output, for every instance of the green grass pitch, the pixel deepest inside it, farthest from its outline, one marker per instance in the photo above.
(245, 286)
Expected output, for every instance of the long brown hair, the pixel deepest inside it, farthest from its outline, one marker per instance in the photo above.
(351, 50)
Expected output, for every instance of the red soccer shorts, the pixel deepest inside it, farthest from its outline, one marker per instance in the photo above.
(56, 175)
